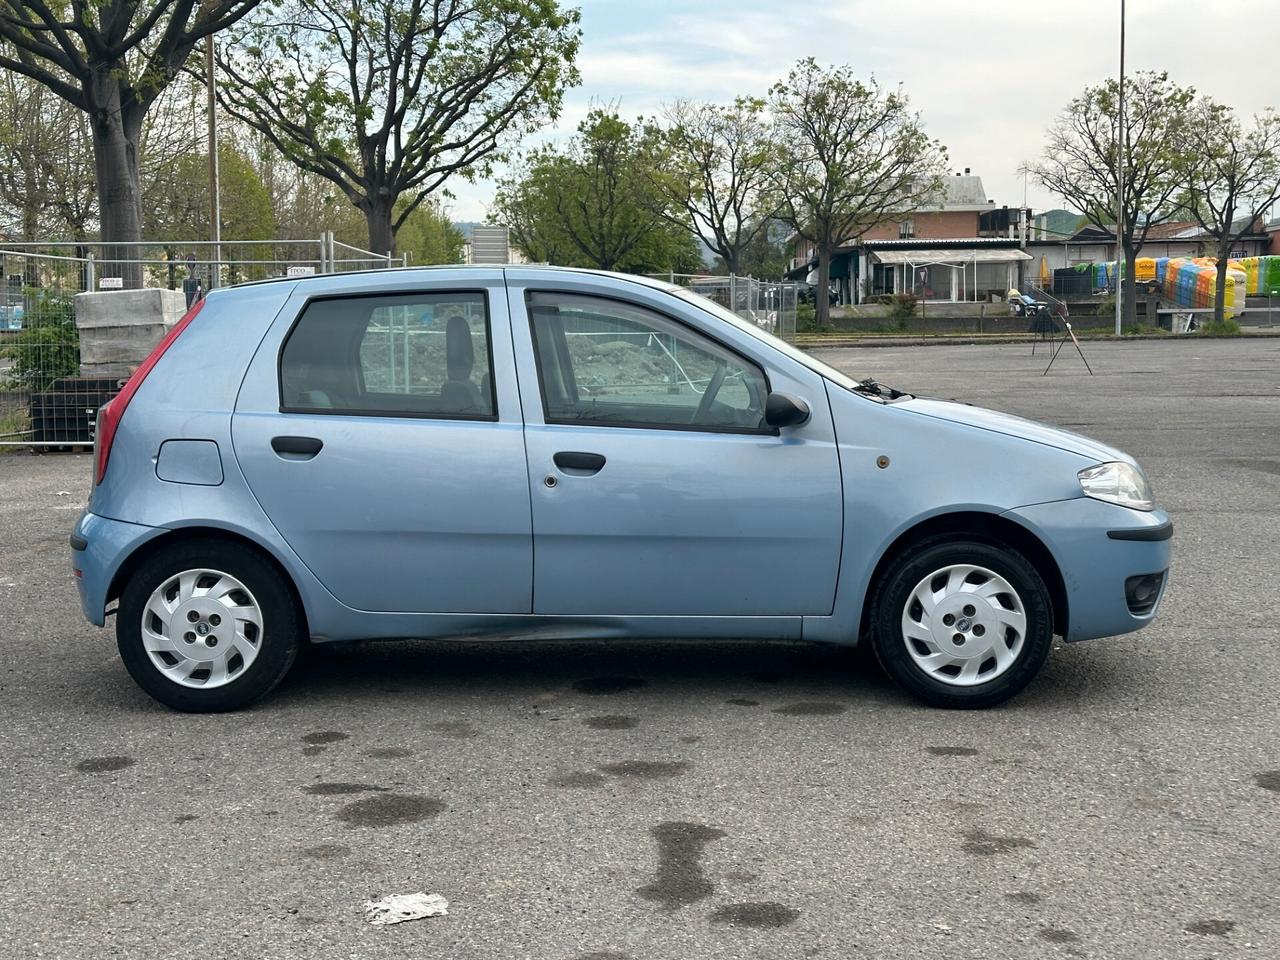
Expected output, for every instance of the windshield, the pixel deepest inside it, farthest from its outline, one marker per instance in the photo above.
(728, 316)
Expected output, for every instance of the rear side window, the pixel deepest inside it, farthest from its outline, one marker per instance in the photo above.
(415, 355)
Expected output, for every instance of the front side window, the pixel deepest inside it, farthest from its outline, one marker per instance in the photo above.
(613, 363)
(421, 355)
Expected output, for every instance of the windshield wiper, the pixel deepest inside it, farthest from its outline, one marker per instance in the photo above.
(877, 389)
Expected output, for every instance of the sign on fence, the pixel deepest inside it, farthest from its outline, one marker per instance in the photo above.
(111, 283)
(302, 271)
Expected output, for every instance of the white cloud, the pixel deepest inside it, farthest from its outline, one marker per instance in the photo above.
(987, 75)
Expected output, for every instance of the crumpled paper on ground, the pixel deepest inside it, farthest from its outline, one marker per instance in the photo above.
(400, 907)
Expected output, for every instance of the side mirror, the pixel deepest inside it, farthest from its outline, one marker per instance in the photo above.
(784, 410)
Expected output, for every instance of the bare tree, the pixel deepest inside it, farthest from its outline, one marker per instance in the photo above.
(854, 156)
(391, 98)
(1233, 178)
(1081, 160)
(721, 162)
(110, 59)
(47, 185)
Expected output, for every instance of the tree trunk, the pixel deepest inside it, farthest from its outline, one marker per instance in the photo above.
(1129, 289)
(1220, 294)
(378, 215)
(115, 161)
(822, 296)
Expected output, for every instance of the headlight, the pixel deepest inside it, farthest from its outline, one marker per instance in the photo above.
(1121, 483)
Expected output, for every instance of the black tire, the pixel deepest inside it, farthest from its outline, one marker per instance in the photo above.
(895, 589)
(282, 624)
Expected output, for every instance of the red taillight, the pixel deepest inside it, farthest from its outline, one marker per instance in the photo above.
(109, 414)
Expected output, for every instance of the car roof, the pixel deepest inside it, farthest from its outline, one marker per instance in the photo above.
(542, 268)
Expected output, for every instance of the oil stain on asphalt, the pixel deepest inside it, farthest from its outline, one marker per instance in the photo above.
(742, 702)
(338, 789)
(953, 751)
(324, 736)
(388, 753)
(390, 810)
(679, 880)
(812, 708)
(577, 779)
(104, 764)
(1268, 780)
(1024, 897)
(611, 722)
(1211, 928)
(645, 769)
(599, 686)
(756, 915)
(1057, 935)
(980, 843)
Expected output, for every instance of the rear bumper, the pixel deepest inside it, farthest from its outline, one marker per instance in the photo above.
(1099, 548)
(98, 547)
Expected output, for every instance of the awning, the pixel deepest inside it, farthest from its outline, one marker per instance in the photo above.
(951, 255)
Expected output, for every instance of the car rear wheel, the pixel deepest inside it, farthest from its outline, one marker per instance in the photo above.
(207, 625)
(962, 623)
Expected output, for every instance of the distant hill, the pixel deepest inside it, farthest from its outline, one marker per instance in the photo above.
(1061, 224)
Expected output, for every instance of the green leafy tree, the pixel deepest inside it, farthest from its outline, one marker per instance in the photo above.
(854, 156)
(388, 99)
(765, 256)
(1233, 177)
(721, 159)
(111, 59)
(429, 237)
(1081, 160)
(595, 202)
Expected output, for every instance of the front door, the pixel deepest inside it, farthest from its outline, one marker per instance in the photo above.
(380, 441)
(657, 490)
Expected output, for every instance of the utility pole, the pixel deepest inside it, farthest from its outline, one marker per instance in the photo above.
(215, 187)
(1120, 162)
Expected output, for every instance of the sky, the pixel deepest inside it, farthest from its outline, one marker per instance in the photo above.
(987, 75)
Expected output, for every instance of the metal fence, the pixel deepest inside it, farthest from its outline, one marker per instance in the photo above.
(768, 304)
(44, 402)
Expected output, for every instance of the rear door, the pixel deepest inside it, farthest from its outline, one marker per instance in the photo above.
(379, 427)
(657, 489)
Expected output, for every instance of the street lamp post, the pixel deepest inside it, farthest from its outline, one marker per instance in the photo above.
(1120, 162)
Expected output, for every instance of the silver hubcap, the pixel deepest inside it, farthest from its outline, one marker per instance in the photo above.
(964, 625)
(202, 628)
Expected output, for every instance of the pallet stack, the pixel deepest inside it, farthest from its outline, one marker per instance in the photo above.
(68, 412)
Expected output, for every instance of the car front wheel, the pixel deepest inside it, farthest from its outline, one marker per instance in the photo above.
(207, 626)
(962, 623)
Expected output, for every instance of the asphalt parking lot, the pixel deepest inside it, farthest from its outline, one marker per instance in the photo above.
(688, 800)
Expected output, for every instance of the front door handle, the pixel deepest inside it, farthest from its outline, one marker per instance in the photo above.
(296, 448)
(576, 462)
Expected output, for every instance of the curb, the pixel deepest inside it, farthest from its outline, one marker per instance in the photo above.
(962, 341)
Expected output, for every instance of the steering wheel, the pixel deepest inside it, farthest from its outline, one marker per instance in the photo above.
(709, 395)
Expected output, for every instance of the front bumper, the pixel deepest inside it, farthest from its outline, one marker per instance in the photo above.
(98, 547)
(1103, 551)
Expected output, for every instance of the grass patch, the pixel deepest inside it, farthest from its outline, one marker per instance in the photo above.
(14, 425)
(1227, 328)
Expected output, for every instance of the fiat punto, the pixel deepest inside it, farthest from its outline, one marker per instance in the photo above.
(530, 452)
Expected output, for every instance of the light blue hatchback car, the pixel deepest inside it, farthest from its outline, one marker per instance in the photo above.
(530, 452)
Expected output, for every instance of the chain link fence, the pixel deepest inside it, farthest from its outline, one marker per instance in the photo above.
(44, 402)
(769, 305)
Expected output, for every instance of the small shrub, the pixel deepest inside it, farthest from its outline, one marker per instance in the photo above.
(1227, 328)
(902, 306)
(46, 348)
(806, 318)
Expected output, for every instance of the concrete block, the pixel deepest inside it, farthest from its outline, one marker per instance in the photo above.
(118, 328)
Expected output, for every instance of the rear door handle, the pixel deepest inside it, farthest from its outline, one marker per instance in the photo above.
(296, 448)
(570, 460)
